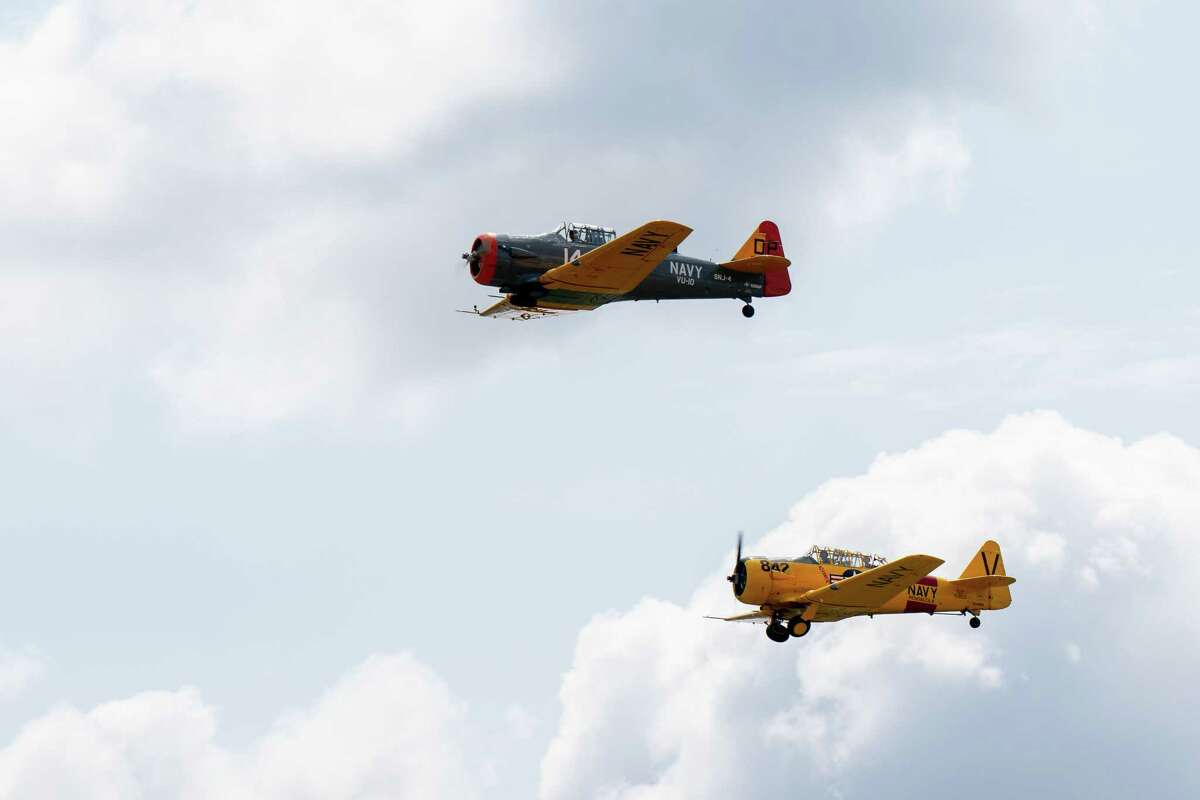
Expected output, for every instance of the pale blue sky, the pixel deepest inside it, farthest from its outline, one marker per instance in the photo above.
(245, 443)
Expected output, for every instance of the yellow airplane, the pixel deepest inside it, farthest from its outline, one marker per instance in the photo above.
(831, 584)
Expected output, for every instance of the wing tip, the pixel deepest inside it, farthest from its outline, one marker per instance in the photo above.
(684, 229)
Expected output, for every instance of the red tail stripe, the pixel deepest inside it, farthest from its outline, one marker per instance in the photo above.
(777, 282)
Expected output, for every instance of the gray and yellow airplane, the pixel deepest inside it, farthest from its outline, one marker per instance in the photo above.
(830, 584)
(582, 267)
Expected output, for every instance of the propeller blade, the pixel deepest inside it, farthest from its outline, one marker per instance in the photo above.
(737, 559)
(472, 257)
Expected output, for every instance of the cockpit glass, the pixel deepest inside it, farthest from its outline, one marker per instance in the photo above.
(585, 234)
(836, 556)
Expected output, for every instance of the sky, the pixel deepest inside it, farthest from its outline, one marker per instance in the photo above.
(278, 523)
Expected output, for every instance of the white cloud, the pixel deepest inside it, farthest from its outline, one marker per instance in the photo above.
(1046, 549)
(389, 728)
(266, 203)
(48, 321)
(184, 204)
(661, 703)
(19, 670)
(229, 87)
(269, 345)
(875, 179)
(952, 657)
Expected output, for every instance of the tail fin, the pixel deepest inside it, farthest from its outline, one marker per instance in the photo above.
(988, 563)
(765, 241)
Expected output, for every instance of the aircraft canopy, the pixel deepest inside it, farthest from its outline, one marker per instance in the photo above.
(836, 556)
(585, 234)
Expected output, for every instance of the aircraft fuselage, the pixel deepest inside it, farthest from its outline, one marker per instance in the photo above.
(520, 260)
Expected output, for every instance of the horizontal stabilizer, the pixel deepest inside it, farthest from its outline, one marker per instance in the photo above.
(984, 582)
(757, 264)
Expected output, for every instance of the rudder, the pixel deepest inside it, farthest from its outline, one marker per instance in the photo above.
(765, 241)
(989, 562)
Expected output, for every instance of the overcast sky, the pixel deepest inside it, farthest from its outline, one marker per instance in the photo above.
(278, 523)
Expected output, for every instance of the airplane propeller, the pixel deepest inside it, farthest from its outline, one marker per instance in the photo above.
(738, 573)
(472, 257)
(475, 254)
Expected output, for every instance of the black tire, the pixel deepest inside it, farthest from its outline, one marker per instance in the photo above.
(747, 311)
(975, 622)
(777, 632)
(798, 626)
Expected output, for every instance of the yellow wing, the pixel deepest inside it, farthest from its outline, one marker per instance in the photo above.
(620, 265)
(762, 615)
(874, 587)
(504, 309)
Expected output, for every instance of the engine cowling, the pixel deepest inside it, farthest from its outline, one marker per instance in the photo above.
(751, 583)
(488, 262)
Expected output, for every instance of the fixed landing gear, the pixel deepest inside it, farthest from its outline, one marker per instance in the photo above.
(780, 630)
(747, 311)
(975, 622)
(798, 627)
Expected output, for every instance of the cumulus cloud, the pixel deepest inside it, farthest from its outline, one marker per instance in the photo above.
(172, 85)
(661, 703)
(219, 203)
(389, 728)
(253, 215)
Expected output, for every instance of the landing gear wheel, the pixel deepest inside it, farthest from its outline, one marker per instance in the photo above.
(747, 311)
(777, 632)
(975, 622)
(798, 626)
